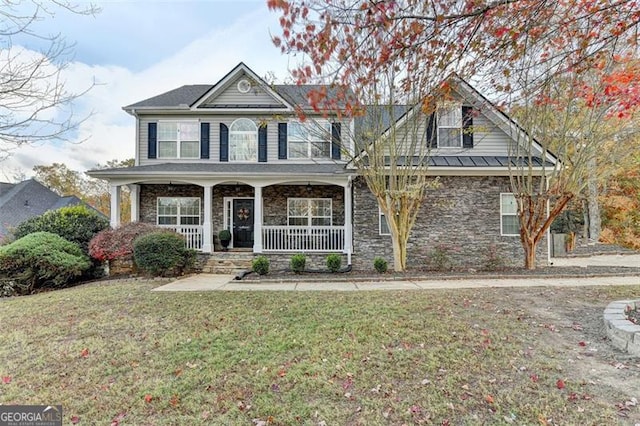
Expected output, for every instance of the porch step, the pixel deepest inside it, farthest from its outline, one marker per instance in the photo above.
(230, 262)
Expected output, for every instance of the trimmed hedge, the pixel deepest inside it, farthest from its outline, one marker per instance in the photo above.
(162, 253)
(41, 259)
(334, 262)
(298, 262)
(261, 265)
(380, 265)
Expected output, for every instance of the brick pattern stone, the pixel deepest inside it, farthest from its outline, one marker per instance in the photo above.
(461, 217)
(622, 333)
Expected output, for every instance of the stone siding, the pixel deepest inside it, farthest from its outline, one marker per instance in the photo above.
(149, 199)
(461, 218)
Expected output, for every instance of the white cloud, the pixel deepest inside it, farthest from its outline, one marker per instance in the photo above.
(110, 131)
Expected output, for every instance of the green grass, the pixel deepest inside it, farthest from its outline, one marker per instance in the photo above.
(367, 358)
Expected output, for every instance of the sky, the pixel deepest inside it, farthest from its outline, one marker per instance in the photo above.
(136, 49)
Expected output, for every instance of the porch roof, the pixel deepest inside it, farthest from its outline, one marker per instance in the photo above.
(225, 169)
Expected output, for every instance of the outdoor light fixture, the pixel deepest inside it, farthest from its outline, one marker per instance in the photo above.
(309, 187)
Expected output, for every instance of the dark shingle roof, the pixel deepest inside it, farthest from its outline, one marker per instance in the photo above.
(24, 200)
(474, 161)
(239, 169)
(185, 95)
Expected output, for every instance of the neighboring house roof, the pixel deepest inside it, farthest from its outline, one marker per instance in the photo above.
(24, 200)
(184, 96)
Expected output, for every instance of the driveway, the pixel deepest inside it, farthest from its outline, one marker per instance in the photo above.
(627, 260)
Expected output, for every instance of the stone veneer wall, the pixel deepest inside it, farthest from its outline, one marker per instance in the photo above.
(149, 199)
(462, 217)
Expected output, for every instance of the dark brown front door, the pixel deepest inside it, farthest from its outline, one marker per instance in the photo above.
(242, 223)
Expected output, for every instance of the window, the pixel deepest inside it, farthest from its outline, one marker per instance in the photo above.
(178, 139)
(383, 225)
(450, 125)
(509, 223)
(309, 212)
(178, 211)
(309, 140)
(243, 140)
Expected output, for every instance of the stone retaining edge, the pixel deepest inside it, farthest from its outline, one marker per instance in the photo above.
(623, 334)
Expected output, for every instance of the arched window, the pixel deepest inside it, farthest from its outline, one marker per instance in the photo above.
(243, 140)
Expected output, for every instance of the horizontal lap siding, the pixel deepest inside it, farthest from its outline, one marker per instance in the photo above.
(232, 96)
(214, 143)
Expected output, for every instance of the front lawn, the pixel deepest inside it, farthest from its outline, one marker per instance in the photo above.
(114, 351)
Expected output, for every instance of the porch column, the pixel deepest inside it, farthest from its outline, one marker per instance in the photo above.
(135, 202)
(348, 221)
(207, 238)
(257, 219)
(114, 212)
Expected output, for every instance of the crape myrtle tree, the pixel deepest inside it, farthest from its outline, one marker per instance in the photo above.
(354, 44)
(35, 103)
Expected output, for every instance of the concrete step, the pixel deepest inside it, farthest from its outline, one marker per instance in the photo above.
(227, 262)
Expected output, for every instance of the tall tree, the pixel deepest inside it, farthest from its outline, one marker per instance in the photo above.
(355, 45)
(35, 104)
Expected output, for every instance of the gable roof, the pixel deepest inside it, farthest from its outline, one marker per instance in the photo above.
(24, 200)
(182, 97)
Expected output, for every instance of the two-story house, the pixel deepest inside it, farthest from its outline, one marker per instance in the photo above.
(234, 155)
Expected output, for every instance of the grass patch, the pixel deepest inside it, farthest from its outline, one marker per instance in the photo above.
(115, 350)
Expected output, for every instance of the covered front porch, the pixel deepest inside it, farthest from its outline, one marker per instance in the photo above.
(262, 215)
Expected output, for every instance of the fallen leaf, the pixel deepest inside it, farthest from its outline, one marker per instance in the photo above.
(148, 398)
(282, 373)
(174, 401)
(6, 379)
(489, 399)
(84, 353)
(581, 343)
(75, 420)
(560, 384)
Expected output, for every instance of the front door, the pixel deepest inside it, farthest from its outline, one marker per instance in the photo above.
(242, 223)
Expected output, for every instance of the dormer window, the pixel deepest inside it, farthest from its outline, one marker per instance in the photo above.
(243, 140)
(450, 125)
(178, 139)
(311, 139)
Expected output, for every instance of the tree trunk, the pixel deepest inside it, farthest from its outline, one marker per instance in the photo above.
(594, 207)
(399, 255)
(529, 246)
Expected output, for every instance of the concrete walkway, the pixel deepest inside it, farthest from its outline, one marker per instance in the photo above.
(211, 282)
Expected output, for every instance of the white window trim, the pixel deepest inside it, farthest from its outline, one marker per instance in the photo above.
(178, 215)
(381, 215)
(461, 127)
(243, 132)
(178, 140)
(310, 218)
(502, 214)
(318, 123)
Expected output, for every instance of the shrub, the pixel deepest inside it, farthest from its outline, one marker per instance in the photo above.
(334, 262)
(492, 259)
(261, 265)
(440, 258)
(298, 262)
(78, 224)
(39, 260)
(380, 265)
(224, 235)
(111, 244)
(162, 253)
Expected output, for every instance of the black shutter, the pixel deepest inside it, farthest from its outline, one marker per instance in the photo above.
(262, 144)
(282, 141)
(467, 127)
(432, 129)
(204, 140)
(153, 139)
(224, 142)
(335, 140)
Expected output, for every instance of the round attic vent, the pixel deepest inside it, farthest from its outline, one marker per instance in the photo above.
(244, 86)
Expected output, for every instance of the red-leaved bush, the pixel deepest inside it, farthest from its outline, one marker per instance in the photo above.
(117, 243)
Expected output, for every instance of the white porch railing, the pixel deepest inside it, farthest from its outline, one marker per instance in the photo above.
(303, 238)
(191, 233)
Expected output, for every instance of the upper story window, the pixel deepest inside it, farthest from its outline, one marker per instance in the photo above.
(178, 139)
(243, 140)
(450, 125)
(311, 139)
